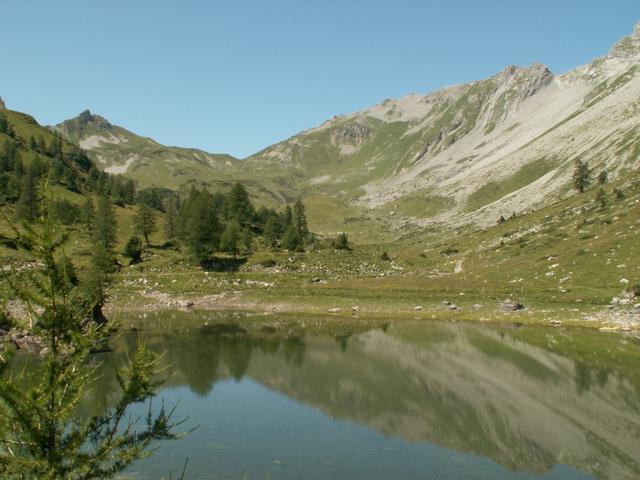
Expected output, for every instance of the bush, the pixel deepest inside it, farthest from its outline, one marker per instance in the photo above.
(6, 323)
(342, 242)
(133, 250)
(635, 289)
(449, 251)
(385, 257)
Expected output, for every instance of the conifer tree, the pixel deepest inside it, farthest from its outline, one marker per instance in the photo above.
(270, 230)
(171, 207)
(300, 219)
(103, 228)
(145, 222)
(231, 238)
(28, 204)
(291, 239)
(198, 226)
(238, 206)
(41, 435)
(581, 176)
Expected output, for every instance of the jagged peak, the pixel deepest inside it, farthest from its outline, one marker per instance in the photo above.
(535, 69)
(86, 118)
(628, 46)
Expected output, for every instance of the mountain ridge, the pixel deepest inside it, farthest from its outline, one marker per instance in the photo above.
(466, 153)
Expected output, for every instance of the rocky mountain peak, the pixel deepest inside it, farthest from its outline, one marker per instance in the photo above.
(88, 119)
(628, 47)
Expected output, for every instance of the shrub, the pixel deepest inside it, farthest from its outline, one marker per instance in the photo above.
(133, 250)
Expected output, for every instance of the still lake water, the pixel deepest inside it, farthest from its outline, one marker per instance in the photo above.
(413, 401)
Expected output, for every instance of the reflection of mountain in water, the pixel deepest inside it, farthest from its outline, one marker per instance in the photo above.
(468, 388)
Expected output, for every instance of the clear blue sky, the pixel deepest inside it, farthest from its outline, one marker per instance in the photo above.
(236, 76)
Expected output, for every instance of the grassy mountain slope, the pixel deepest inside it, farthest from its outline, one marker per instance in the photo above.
(462, 155)
(471, 152)
(119, 151)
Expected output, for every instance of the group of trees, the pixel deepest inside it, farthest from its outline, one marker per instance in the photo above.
(583, 178)
(25, 162)
(206, 222)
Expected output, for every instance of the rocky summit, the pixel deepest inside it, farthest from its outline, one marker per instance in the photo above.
(466, 154)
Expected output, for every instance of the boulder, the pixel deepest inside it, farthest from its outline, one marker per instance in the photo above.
(334, 310)
(510, 306)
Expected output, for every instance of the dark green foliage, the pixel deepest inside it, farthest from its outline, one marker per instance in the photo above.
(447, 252)
(87, 212)
(619, 194)
(385, 257)
(41, 435)
(133, 250)
(271, 230)
(65, 212)
(342, 242)
(300, 219)
(28, 204)
(232, 238)
(603, 177)
(291, 239)
(145, 222)
(171, 207)
(103, 228)
(198, 226)
(501, 219)
(67, 274)
(238, 206)
(581, 176)
(154, 197)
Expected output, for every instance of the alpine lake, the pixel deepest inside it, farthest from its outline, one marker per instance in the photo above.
(398, 400)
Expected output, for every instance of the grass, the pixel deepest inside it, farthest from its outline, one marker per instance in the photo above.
(494, 191)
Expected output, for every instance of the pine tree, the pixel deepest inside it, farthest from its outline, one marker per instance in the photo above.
(291, 239)
(28, 204)
(270, 230)
(238, 206)
(198, 226)
(231, 238)
(300, 219)
(41, 435)
(171, 207)
(581, 176)
(103, 228)
(145, 222)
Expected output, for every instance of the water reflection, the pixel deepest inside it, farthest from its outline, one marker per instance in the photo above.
(528, 398)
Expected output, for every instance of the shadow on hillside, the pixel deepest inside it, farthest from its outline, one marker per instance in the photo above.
(223, 264)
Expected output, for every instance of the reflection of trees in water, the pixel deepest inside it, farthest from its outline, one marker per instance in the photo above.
(586, 376)
(201, 359)
(294, 351)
